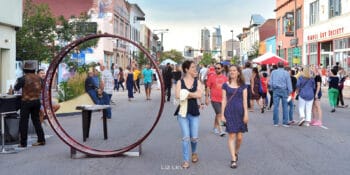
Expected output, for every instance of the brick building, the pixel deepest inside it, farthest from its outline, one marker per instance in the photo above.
(289, 29)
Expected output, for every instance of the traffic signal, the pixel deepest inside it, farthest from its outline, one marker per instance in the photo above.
(189, 50)
(201, 50)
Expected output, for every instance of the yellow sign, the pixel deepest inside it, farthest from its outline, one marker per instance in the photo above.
(296, 60)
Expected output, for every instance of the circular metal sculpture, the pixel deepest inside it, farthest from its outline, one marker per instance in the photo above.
(52, 117)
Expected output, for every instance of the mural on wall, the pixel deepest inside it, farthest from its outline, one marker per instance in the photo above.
(102, 6)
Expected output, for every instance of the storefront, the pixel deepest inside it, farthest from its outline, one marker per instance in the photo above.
(328, 43)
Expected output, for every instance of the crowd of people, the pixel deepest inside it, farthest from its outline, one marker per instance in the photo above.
(231, 90)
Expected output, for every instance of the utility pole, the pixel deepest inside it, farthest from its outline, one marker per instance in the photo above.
(161, 32)
(232, 46)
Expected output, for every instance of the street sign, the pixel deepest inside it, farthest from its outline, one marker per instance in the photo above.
(296, 52)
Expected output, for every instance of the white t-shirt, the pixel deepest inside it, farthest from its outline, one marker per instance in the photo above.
(108, 80)
(203, 73)
(247, 73)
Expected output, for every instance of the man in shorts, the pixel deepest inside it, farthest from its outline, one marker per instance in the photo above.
(214, 88)
(147, 74)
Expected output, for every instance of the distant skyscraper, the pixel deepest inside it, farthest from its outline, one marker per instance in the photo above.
(216, 39)
(205, 39)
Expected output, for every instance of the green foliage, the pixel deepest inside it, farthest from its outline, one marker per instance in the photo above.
(207, 59)
(74, 87)
(65, 92)
(35, 39)
(235, 60)
(142, 59)
(255, 52)
(69, 31)
(172, 54)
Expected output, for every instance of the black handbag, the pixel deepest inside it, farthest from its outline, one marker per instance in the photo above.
(177, 110)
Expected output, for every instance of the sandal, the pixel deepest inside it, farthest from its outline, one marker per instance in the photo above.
(185, 165)
(194, 158)
(233, 164)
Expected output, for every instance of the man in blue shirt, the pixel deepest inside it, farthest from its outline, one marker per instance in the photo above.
(281, 85)
(147, 79)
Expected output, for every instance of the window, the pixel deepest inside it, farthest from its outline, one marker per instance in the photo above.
(334, 8)
(278, 27)
(115, 25)
(298, 18)
(312, 53)
(314, 12)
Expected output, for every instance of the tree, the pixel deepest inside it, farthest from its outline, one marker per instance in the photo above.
(35, 40)
(67, 31)
(172, 54)
(235, 60)
(207, 59)
(142, 59)
(36, 37)
(255, 51)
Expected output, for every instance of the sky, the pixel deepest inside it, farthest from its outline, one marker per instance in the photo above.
(186, 18)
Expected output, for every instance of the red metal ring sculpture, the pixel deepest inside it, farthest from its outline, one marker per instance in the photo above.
(52, 117)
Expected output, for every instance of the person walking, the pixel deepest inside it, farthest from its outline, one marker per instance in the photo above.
(190, 90)
(291, 97)
(147, 74)
(129, 82)
(167, 77)
(247, 73)
(121, 78)
(31, 85)
(255, 84)
(107, 85)
(214, 88)
(234, 106)
(136, 77)
(316, 106)
(333, 86)
(281, 86)
(274, 67)
(306, 90)
(116, 76)
(342, 77)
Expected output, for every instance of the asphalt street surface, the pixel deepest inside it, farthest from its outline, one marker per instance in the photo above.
(265, 150)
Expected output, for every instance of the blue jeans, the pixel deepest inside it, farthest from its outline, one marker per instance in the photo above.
(189, 129)
(291, 109)
(249, 95)
(280, 94)
(105, 100)
(116, 84)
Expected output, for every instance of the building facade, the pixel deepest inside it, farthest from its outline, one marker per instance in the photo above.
(250, 38)
(10, 21)
(327, 32)
(289, 30)
(136, 15)
(230, 49)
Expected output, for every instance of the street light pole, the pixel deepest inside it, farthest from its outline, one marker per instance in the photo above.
(161, 32)
(232, 46)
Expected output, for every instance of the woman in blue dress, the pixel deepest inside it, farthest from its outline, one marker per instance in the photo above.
(234, 105)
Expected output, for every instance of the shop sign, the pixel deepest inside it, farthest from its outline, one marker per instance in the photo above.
(289, 23)
(326, 34)
(296, 60)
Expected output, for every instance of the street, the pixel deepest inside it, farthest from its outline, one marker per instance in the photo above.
(265, 150)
